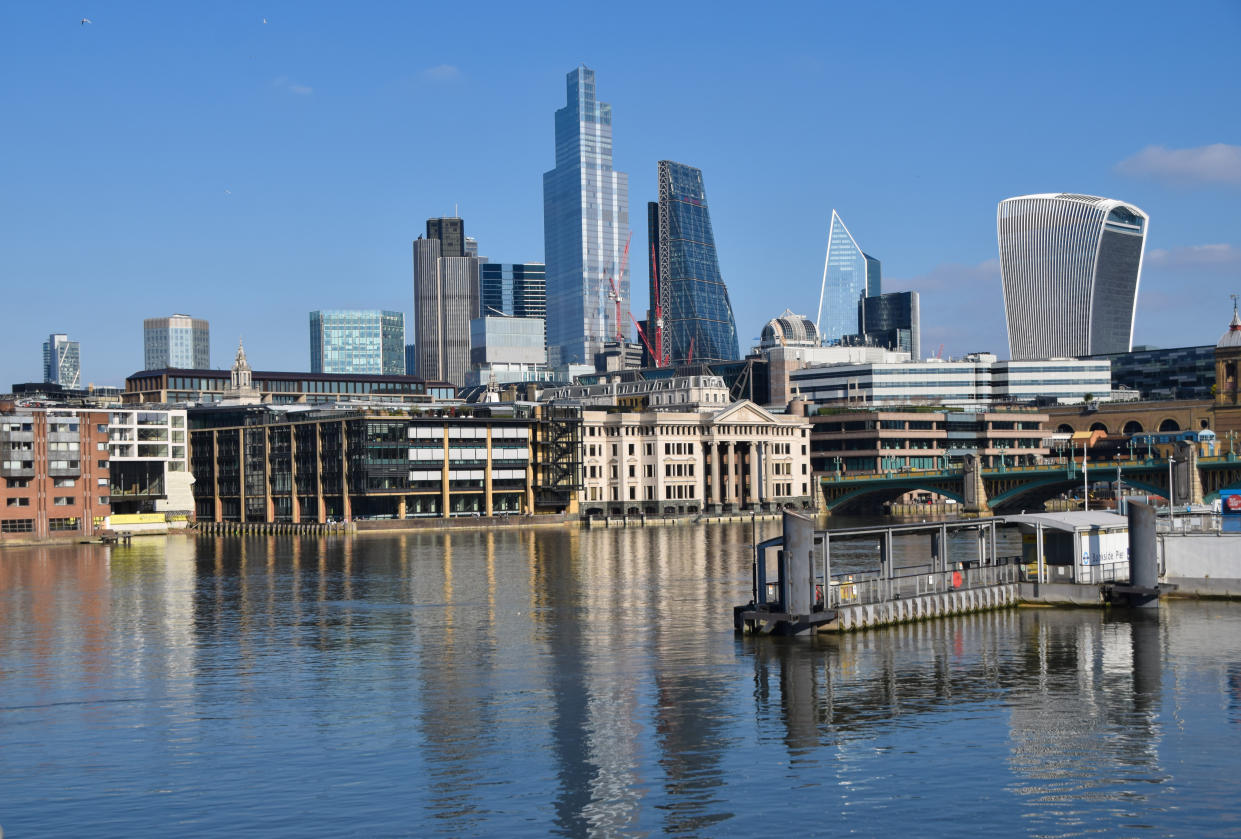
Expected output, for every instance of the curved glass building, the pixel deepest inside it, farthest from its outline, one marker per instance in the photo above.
(1070, 266)
(698, 317)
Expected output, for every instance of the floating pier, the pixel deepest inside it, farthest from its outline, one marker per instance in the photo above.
(1078, 558)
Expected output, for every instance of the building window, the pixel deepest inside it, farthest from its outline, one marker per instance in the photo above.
(18, 483)
(17, 526)
(63, 482)
(17, 502)
(63, 501)
(70, 523)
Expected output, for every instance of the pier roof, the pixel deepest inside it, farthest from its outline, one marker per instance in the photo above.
(1072, 521)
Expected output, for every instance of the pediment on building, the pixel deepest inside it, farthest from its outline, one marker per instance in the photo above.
(744, 412)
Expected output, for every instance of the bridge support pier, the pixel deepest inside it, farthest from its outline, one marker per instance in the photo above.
(975, 493)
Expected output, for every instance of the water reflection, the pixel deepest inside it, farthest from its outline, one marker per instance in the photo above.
(576, 683)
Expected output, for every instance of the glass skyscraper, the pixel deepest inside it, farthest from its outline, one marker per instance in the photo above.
(62, 364)
(585, 228)
(367, 341)
(1070, 266)
(892, 320)
(697, 315)
(848, 276)
(179, 341)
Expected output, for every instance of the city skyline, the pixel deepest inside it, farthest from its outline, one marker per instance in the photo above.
(126, 172)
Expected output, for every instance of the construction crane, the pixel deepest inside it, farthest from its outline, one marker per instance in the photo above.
(614, 293)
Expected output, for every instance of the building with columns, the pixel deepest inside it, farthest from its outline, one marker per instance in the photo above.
(739, 457)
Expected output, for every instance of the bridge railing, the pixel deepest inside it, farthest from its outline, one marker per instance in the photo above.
(871, 587)
(1192, 522)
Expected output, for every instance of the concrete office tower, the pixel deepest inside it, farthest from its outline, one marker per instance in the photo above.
(892, 321)
(445, 301)
(698, 317)
(1070, 266)
(357, 342)
(180, 342)
(585, 228)
(62, 364)
(848, 276)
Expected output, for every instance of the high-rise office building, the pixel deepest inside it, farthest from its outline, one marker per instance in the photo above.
(892, 321)
(179, 341)
(585, 228)
(519, 289)
(357, 342)
(445, 301)
(62, 364)
(1070, 266)
(848, 276)
(697, 314)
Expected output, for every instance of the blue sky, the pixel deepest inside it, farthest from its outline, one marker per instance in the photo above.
(191, 158)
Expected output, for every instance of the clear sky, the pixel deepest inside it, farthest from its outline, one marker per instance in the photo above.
(190, 157)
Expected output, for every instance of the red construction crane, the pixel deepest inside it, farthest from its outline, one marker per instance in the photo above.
(614, 294)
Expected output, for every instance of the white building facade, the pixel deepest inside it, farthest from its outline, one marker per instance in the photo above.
(680, 463)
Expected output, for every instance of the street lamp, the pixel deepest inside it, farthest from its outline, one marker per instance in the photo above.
(837, 461)
(1085, 482)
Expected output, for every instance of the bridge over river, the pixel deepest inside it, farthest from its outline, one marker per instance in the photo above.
(983, 491)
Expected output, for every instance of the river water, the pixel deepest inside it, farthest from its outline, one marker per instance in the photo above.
(552, 681)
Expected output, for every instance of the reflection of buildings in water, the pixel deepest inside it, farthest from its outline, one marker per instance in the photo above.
(1085, 717)
(61, 598)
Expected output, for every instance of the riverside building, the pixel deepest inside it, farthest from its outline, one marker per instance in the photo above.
(54, 473)
(282, 388)
(850, 441)
(737, 458)
(849, 275)
(261, 463)
(1070, 266)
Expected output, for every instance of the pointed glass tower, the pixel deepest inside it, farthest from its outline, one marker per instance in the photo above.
(848, 276)
(585, 227)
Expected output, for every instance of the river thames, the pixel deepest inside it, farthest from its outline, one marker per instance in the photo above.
(555, 681)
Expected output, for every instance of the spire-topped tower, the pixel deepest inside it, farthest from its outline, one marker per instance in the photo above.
(241, 389)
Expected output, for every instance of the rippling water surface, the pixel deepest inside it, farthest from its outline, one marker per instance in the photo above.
(563, 682)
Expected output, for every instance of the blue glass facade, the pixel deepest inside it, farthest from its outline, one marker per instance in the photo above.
(585, 227)
(847, 278)
(357, 342)
(698, 317)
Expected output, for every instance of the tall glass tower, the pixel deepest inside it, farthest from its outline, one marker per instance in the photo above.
(1070, 266)
(848, 276)
(585, 228)
(698, 317)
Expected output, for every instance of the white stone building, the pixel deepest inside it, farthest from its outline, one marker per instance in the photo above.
(657, 462)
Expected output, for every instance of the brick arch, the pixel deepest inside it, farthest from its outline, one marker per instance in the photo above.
(1169, 424)
(1132, 427)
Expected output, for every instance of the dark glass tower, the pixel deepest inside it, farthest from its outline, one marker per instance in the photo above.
(697, 315)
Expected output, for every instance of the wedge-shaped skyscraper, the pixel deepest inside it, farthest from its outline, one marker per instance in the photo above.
(848, 276)
(1070, 266)
(697, 315)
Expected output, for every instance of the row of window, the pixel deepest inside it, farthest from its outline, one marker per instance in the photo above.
(27, 525)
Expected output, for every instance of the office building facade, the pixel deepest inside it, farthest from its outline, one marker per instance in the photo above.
(357, 342)
(507, 340)
(517, 290)
(891, 321)
(1070, 266)
(62, 363)
(697, 315)
(281, 388)
(446, 299)
(585, 228)
(176, 341)
(849, 275)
